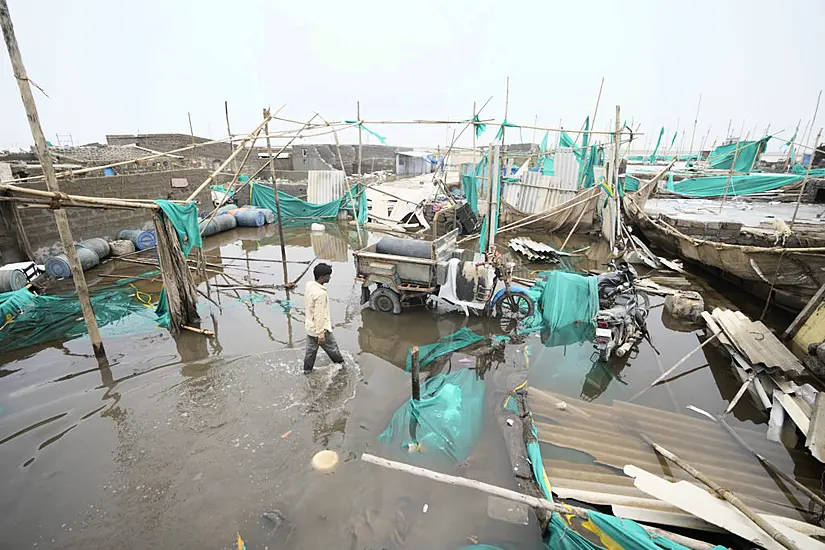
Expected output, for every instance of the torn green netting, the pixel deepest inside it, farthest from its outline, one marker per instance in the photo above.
(567, 304)
(672, 141)
(480, 127)
(746, 153)
(544, 142)
(472, 183)
(447, 419)
(546, 162)
(32, 320)
(162, 309)
(495, 192)
(631, 183)
(446, 344)
(184, 219)
(293, 208)
(504, 123)
(652, 157)
(566, 140)
(718, 186)
(379, 137)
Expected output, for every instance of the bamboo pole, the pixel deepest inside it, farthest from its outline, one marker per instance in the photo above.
(730, 176)
(596, 110)
(76, 199)
(225, 163)
(772, 467)
(813, 122)
(514, 496)
(349, 189)
(60, 216)
(229, 133)
(615, 171)
(695, 124)
(725, 494)
(360, 140)
(793, 140)
(805, 179)
(191, 128)
(674, 367)
(277, 199)
(506, 109)
(573, 229)
(474, 132)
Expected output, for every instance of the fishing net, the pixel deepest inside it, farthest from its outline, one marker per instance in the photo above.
(293, 208)
(430, 352)
(446, 420)
(717, 186)
(29, 319)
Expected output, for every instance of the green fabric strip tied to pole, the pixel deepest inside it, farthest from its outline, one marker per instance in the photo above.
(504, 123)
(379, 137)
(480, 127)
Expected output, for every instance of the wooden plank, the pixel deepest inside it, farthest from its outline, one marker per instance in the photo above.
(698, 502)
(816, 430)
(794, 411)
(803, 316)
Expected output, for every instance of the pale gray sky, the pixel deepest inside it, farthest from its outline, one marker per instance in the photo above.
(126, 67)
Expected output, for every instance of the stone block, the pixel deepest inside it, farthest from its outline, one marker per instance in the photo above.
(685, 305)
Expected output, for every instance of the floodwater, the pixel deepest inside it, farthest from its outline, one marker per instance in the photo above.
(190, 442)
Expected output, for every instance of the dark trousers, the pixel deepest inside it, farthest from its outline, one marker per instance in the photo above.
(330, 346)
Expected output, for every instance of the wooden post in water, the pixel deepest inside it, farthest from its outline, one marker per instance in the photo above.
(414, 373)
(277, 200)
(60, 216)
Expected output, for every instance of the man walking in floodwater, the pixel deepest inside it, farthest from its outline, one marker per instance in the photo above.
(318, 324)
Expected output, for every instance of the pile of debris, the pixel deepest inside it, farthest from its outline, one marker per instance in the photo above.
(534, 251)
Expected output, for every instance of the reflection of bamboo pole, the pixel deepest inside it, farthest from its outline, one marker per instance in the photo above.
(674, 367)
(515, 496)
(725, 494)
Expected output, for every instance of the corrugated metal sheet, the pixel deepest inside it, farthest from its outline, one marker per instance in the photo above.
(325, 185)
(566, 167)
(605, 440)
(328, 246)
(537, 193)
(756, 342)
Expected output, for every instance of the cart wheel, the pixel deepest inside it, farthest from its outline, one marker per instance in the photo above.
(385, 301)
(447, 225)
(515, 306)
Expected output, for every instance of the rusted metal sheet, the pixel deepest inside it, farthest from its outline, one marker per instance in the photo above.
(325, 186)
(756, 342)
(605, 439)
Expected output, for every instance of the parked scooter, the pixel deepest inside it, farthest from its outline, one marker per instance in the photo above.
(621, 322)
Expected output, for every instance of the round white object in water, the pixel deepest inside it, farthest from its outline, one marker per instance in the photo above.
(325, 461)
(318, 227)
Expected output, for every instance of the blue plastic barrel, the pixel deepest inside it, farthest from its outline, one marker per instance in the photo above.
(58, 266)
(141, 239)
(249, 218)
(99, 245)
(12, 279)
(218, 224)
(269, 215)
(227, 207)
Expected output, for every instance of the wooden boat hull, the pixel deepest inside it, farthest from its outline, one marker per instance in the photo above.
(794, 274)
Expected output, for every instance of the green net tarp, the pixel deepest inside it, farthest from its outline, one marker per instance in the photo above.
(446, 420)
(746, 153)
(184, 219)
(471, 184)
(631, 183)
(802, 170)
(714, 186)
(446, 344)
(32, 319)
(496, 192)
(293, 208)
(569, 299)
(162, 310)
(377, 136)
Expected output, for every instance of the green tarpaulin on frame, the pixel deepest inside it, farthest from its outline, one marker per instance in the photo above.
(293, 208)
(802, 170)
(718, 186)
(184, 219)
(746, 153)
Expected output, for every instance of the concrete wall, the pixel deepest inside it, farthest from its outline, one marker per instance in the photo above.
(94, 222)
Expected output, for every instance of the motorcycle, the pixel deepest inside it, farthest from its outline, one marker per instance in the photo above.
(621, 322)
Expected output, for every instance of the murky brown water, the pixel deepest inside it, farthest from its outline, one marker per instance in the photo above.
(186, 443)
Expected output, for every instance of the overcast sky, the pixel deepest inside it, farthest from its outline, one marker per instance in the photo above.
(127, 67)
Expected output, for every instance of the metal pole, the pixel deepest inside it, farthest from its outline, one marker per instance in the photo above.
(60, 217)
